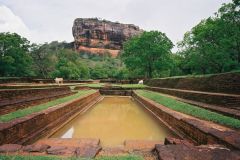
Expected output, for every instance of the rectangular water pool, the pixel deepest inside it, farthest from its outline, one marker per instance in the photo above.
(114, 120)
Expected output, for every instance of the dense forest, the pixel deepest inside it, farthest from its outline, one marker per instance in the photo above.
(212, 46)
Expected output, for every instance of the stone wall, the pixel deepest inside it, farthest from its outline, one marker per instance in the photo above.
(12, 100)
(28, 86)
(192, 128)
(221, 100)
(132, 81)
(223, 83)
(15, 80)
(116, 92)
(32, 127)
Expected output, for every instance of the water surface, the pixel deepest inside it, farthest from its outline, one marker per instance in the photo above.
(114, 120)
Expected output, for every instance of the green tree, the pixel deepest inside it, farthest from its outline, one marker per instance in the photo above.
(98, 72)
(14, 55)
(44, 60)
(177, 68)
(213, 46)
(121, 73)
(147, 54)
(69, 66)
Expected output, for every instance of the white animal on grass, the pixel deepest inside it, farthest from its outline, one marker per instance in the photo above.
(59, 80)
(140, 82)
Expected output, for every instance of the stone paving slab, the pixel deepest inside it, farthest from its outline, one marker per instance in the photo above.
(69, 142)
(59, 150)
(88, 151)
(10, 148)
(84, 147)
(36, 148)
(112, 151)
(182, 152)
(171, 140)
(141, 144)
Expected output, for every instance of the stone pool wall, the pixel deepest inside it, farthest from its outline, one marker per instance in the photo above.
(192, 128)
(32, 127)
(117, 92)
(221, 100)
(223, 83)
(14, 99)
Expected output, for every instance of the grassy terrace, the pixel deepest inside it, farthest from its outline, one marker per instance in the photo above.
(130, 85)
(93, 85)
(190, 109)
(199, 75)
(41, 107)
(131, 157)
(97, 85)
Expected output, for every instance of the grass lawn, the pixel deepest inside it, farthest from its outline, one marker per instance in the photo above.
(97, 85)
(190, 109)
(38, 108)
(199, 75)
(130, 85)
(130, 157)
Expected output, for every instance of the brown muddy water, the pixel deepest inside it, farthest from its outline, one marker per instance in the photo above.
(114, 120)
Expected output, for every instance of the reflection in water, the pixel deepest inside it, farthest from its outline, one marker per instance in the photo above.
(114, 120)
(68, 134)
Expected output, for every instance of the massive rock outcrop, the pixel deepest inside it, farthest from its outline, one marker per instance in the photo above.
(100, 36)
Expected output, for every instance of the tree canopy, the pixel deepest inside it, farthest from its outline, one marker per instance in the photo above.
(147, 54)
(213, 46)
(15, 59)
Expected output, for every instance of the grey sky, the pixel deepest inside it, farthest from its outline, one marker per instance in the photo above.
(48, 20)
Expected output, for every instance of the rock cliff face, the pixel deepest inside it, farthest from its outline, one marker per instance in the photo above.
(100, 36)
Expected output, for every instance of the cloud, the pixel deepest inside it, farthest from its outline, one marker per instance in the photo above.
(52, 20)
(12, 23)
